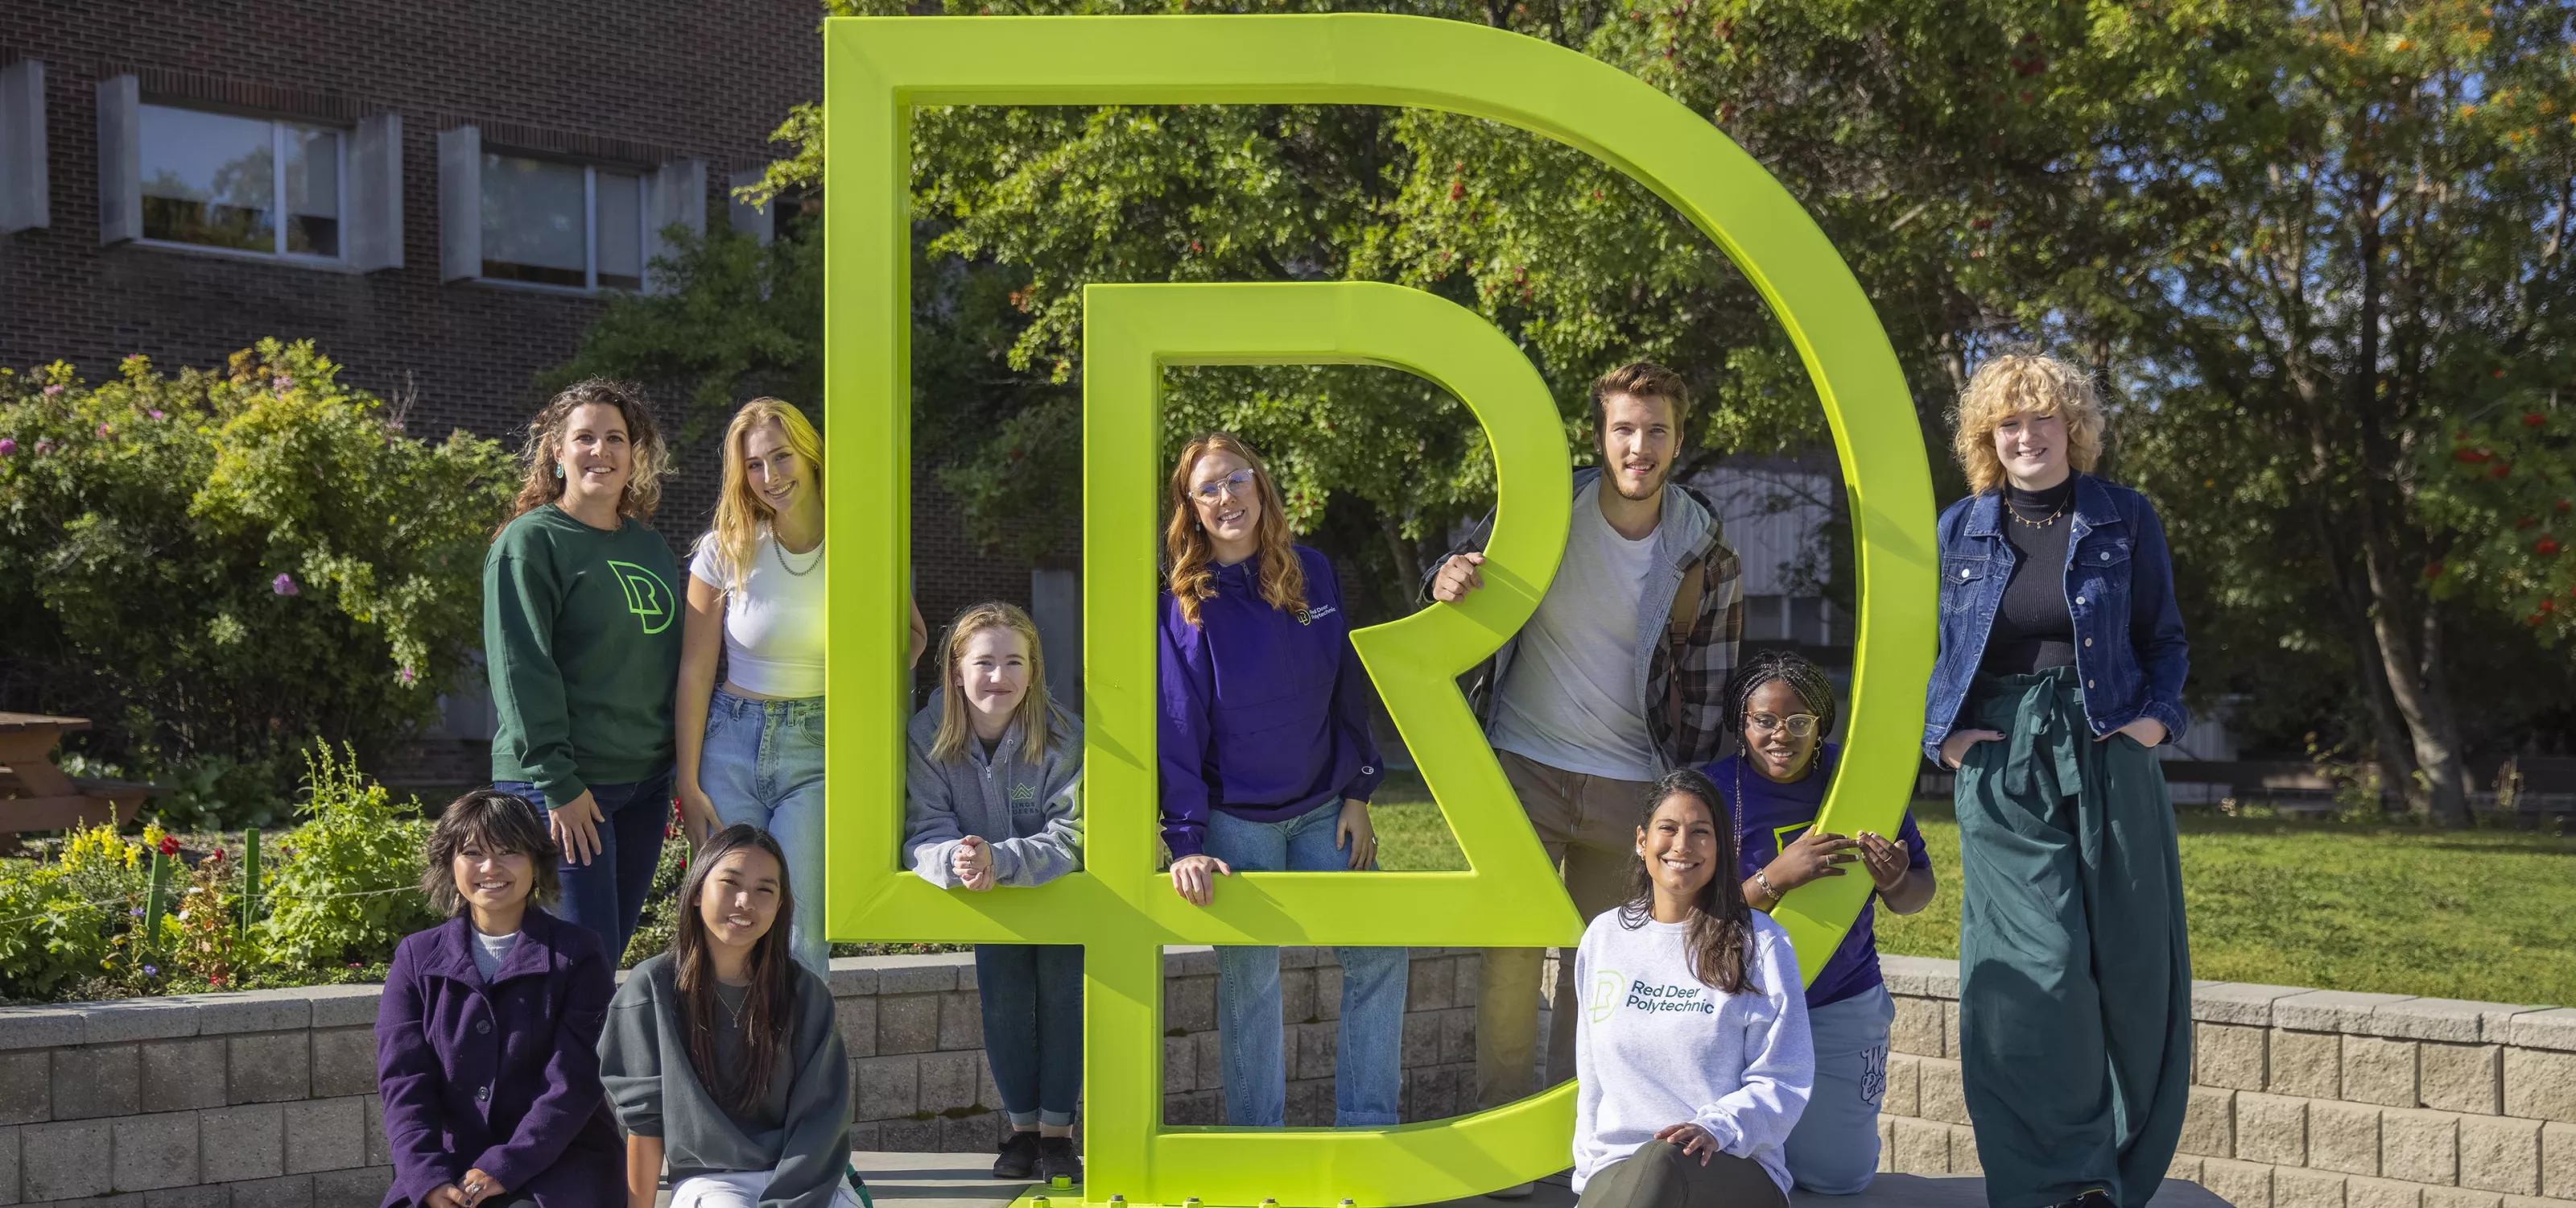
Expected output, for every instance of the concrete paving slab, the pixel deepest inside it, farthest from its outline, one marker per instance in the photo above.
(965, 1180)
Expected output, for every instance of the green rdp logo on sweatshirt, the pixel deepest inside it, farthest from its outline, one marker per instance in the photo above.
(647, 596)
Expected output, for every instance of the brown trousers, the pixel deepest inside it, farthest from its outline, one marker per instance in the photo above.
(1588, 824)
(1660, 1175)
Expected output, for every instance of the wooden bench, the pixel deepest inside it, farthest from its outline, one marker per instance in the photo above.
(36, 795)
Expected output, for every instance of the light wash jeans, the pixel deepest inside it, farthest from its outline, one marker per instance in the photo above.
(1368, 1065)
(763, 764)
(1834, 1148)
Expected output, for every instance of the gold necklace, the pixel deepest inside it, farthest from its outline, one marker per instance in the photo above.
(2053, 513)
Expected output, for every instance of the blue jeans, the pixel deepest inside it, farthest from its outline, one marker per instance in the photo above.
(1834, 1148)
(1032, 995)
(607, 894)
(763, 764)
(1368, 1065)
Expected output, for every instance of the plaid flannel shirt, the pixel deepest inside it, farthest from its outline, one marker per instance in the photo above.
(1694, 735)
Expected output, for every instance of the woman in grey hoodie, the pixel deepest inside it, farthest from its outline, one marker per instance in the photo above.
(722, 1056)
(994, 780)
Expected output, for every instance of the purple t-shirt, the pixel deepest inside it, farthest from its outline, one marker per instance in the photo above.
(1770, 816)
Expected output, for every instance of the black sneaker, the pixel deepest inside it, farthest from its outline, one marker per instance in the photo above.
(1019, 1158)
(1058, 1164)
(2092, 1198)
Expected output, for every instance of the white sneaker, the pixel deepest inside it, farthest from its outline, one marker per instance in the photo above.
(1517, 1191)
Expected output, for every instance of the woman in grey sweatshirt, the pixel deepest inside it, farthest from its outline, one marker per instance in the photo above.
(994, 785)
(722, 1056)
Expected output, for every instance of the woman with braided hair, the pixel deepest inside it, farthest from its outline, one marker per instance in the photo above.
(1782, 706)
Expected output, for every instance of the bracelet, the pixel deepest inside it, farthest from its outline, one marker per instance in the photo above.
(1765, 883)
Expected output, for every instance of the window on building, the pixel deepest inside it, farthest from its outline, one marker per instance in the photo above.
(242, 183)
(551, 223)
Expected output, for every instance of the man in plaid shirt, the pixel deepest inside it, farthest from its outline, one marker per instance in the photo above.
(1616, 679)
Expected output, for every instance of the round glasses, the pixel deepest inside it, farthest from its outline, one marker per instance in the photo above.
(1236, 483)
(1799, 725)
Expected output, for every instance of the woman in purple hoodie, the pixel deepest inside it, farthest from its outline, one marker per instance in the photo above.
(487, 1043)
(1267, 766)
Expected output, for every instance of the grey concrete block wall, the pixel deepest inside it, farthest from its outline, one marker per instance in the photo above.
(2307, 1098)
(2302, 1099)
(267, 1099)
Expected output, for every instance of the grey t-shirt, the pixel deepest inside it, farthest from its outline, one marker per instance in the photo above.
(1571, 699)
(490, 951)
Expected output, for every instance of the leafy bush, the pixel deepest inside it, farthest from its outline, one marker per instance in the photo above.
(218, 567)
(50, 936)
(346, 889)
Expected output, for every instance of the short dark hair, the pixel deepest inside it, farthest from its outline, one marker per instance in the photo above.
(1641, 379)
(495, 821)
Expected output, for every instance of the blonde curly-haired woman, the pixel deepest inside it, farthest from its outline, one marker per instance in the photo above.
(2061, 669)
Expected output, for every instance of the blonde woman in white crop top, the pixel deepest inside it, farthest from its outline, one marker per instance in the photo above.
(752, 750)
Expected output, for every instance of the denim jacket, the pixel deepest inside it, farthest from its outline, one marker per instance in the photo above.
(2129, 647)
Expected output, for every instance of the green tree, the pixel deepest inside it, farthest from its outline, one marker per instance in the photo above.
(2347, 223)
(220, 566)
(2305, 243)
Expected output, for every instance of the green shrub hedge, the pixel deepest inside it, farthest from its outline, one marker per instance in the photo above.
(217, 567)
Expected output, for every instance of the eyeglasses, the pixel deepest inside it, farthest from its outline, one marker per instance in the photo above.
(1237, 483)
(1799, 725)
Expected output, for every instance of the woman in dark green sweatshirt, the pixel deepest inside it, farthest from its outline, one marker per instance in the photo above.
(580, 637)
(722, 1056)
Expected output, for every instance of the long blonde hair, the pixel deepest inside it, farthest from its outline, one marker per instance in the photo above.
(1186, 545)
(647, 462)
(2036, 383)
(740, 511)
(949, 745)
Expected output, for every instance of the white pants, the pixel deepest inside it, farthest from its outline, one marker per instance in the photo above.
(741, 1189)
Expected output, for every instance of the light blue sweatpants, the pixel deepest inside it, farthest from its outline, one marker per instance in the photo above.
(1834, 1148)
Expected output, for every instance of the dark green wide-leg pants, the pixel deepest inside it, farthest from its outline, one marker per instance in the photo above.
(2074, 969)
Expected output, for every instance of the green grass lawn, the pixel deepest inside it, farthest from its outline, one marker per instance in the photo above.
(2477, 914)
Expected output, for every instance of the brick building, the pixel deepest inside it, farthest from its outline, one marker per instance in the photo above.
(439, 196)
(151, 219)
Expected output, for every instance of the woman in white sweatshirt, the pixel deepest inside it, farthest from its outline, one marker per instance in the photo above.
(1691, 1054)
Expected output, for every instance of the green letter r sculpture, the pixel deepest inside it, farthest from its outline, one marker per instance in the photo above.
(1120, 908)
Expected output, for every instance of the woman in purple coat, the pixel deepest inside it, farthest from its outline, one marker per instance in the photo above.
(487, 1043)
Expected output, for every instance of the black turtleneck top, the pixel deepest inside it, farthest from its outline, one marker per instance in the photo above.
(2033, 630)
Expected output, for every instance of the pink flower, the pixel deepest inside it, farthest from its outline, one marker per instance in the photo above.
(284, 383)
(44, 446)
(7, 446)
(52, 390)
(283, 584)
(102, 431)
(407, 676)
(154, 414)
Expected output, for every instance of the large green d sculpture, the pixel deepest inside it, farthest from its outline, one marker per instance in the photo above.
(877, 70)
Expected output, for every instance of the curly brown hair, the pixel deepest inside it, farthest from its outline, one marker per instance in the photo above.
(493, 821)
(544, 449)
